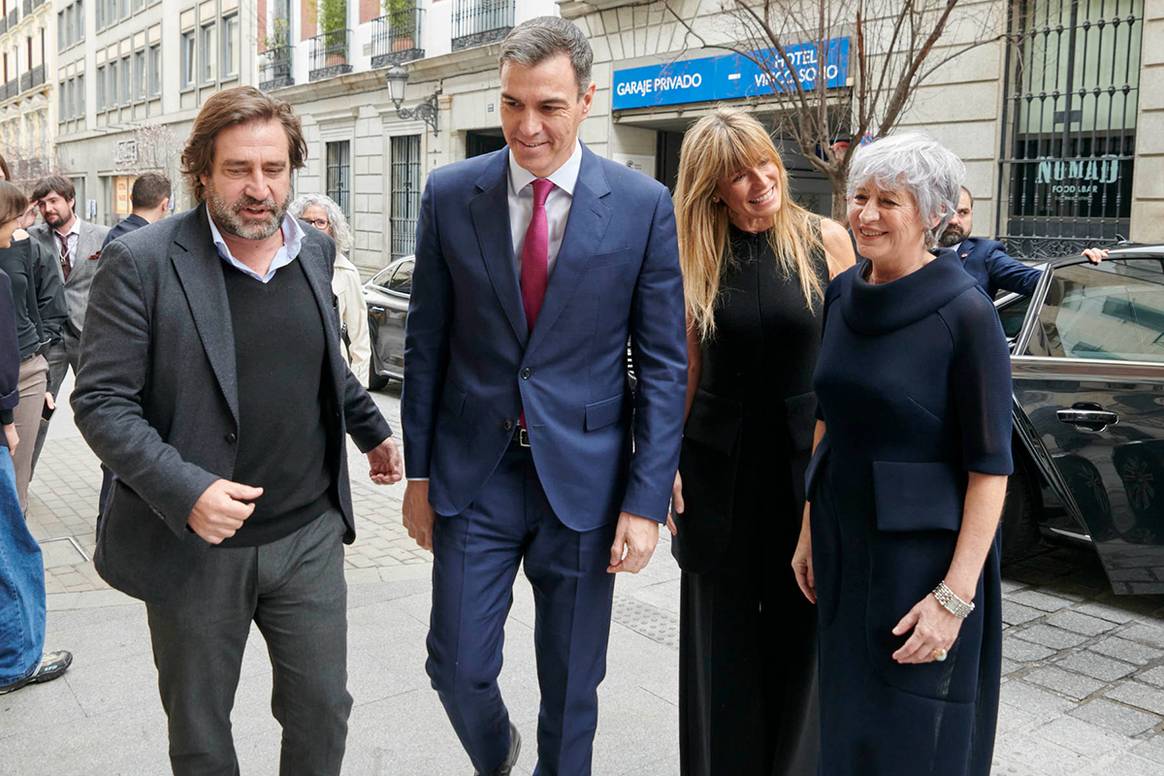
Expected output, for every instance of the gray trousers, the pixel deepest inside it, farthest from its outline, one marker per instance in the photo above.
(61, 356)
(294, 590)
(33, 384)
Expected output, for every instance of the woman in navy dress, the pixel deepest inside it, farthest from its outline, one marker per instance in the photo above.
(906, 484)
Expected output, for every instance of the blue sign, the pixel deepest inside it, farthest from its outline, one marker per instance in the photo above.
(731, 77)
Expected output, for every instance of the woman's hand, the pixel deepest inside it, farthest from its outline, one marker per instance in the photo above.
(676, 504)
(802, 560)
(934, 629)
(12, 437)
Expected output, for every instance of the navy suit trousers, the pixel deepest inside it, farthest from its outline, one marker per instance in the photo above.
(476, 557)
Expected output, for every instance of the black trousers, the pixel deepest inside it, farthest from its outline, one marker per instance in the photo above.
(294, 590)
(747, 646)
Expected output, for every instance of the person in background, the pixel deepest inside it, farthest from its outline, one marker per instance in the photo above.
(987, 260)
(897, 546)
(150, 198)
(325, 215)
(755, 267)
(22, 606)
(75, 246)
(39, 307)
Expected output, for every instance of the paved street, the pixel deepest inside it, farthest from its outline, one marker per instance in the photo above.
(1083, 688)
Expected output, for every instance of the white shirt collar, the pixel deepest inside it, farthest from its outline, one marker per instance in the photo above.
(564, 178)
(293, 235)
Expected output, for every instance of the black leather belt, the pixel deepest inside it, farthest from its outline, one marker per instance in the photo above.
(521, 437)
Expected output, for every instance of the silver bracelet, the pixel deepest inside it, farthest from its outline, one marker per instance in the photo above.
(951, 602)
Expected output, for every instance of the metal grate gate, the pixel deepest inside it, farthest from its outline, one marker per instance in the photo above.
(405, 194)
(1069, 125)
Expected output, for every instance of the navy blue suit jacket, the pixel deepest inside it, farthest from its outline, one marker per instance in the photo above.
(988, 263)
(471, 365)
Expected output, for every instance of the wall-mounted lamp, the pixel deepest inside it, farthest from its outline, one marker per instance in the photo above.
(425, 111)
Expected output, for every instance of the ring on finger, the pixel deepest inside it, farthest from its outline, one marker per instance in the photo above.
(939, 654)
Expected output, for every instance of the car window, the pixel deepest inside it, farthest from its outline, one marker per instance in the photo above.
(381, 278)
(401, 281)
(1111, 311)
(1012, 314)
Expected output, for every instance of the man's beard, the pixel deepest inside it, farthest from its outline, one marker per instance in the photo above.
(227, 215)
(53, 218)
(951, 237)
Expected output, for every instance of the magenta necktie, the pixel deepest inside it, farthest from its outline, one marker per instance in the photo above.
(535, 254)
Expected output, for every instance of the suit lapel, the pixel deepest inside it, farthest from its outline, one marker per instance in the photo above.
(490, 211)
(585, 227)
(312, 265)
(197, 264)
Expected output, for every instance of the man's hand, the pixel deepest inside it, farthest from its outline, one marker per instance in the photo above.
(386, 467)
(49, 401)
(418, 514)
(638, 537)
(12, 437)
(1095, 255)
(222, 509)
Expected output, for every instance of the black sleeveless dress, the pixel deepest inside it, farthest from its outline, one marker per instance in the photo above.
(747, 635)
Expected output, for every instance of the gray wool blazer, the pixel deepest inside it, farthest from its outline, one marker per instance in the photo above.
(157, 397)
(84, 262)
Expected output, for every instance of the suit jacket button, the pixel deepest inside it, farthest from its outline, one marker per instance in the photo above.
(525, 373)
(507, 425)
(232, 437)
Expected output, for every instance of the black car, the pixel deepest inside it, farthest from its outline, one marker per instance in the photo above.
(1088, 367)
(387, 297)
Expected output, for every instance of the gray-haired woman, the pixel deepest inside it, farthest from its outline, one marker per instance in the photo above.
(906, 484)
(324, 214)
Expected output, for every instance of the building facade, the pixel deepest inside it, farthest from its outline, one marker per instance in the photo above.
(132, 74)
(27, 109)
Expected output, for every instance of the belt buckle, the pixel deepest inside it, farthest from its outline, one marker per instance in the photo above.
(523, 437)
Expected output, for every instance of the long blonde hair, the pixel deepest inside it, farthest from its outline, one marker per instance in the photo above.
(722, 143)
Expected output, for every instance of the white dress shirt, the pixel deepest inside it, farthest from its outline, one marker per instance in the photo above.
(557, 204)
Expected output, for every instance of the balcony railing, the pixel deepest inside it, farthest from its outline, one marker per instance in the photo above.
(26, 81)
(276, 69)
(329, 55)
(13, 17)
(396, 37)
(477, 22)
(11, 88)
(27, 7)
(32, 4)
(3, 24)
(38, 76)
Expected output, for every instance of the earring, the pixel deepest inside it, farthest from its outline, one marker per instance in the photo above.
(715, 200)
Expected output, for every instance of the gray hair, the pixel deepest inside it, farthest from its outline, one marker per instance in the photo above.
(339, 222)
(536, 40)
(917, 163)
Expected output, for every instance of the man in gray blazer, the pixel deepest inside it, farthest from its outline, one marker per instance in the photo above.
(76, 246)
(212, 385)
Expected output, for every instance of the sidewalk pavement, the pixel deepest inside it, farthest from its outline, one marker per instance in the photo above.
(1083, 686)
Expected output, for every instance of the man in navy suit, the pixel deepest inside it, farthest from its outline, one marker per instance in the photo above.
(534, 264)
(987, 260)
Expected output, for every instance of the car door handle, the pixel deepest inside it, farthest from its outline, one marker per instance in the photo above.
(376, 309)
(1078, 417)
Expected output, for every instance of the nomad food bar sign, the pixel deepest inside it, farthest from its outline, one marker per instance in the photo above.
(731, 77)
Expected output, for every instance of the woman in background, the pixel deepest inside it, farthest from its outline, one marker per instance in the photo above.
(755, 266)
(324, 214)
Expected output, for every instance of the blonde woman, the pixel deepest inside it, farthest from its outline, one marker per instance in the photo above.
(755, 268)
(325, 215)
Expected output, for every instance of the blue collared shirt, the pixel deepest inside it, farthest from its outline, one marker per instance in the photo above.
(292, 240)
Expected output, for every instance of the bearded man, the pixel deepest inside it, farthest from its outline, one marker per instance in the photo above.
(211, 384)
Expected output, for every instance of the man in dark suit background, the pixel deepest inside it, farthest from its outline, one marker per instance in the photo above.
(987, 260)
(533, 266)
(212, 385)
(149, 198)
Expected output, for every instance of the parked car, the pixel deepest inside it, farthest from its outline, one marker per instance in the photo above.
(387, 297)
(1087, 359)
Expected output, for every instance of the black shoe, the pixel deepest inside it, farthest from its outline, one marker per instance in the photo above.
(52, 666)
(510, 759)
